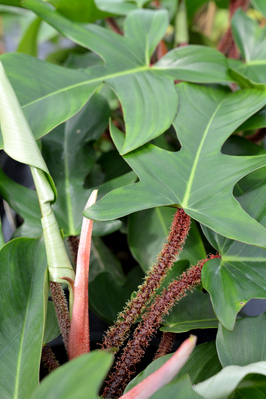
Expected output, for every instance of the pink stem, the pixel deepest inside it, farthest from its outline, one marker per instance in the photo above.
(163, 375)
(79, 335)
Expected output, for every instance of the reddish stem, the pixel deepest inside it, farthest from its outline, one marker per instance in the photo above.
(79, 335)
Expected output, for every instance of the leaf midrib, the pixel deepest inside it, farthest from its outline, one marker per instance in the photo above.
(67, 189)
(17, 379)
(184, 203)
(85, 82)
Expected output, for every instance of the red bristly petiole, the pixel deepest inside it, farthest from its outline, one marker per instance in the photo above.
(79, 335)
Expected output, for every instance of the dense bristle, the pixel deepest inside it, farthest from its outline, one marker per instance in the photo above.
(116, 335)
(48, 358)
(166, 344)
(135, 348)
(61, 310)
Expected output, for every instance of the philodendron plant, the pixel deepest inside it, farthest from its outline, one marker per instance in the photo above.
(151, 129)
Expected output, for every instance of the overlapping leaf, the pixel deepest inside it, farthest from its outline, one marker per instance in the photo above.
(73, 143)
(240, 273)
(250, 40)
(245, 345)
(198, 177)
(80, 378)
(152, 104)
(44, 90)
(69, 154)
(79, 10)
(22, 300)
(20, 144)
(192, 312)
(223, 384)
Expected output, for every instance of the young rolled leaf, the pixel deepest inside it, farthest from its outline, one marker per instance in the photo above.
(163, 375)
(19, 143)
(199, 177)
(79, 335)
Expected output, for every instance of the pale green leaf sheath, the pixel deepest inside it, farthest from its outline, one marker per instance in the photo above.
(19, 143)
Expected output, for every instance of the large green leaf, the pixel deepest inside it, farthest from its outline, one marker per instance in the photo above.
(69, 154)
(80, 378)
(192, 312)
(202, 364)
(128, 69)
(20, 144)
(240, 273)
(44, 89)
(148, 230)
(250, 40)
(199, 177)
(22, 301)
(245, 345)
(221, 385)
(79, 10)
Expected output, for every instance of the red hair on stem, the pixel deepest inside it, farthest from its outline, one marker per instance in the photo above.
(79, 335)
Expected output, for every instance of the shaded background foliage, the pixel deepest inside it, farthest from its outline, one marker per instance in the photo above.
(133, 221)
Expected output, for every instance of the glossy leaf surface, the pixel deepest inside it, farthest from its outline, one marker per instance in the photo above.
(250, 40)
(239, 275)
(245, 345)
(72, 142)
(50, 86)
(226, 381)
(128, 68)
(198, 177)
(22, 265)
(192, 312)
(80, 378)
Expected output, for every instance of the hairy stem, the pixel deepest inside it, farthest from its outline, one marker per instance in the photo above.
(116, 335)
(166, 344)
(61, 310)
(135, 348)
(48, 358)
